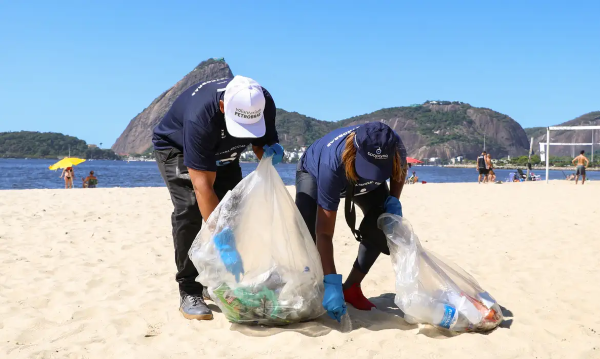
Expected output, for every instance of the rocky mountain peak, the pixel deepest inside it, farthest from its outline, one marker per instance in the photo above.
(137, 137)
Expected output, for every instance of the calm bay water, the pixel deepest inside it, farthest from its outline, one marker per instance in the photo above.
(26, 174)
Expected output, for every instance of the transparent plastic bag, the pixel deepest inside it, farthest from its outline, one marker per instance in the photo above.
(283, 278)
(432, 291)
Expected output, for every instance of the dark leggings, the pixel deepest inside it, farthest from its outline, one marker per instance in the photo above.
(306, 201)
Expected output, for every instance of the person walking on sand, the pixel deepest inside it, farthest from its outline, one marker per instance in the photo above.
(581, 166)
(482, 167)
(353, 162)
(197, 145)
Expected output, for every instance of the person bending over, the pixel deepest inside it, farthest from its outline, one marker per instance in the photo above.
(197, 146)
(354, 162)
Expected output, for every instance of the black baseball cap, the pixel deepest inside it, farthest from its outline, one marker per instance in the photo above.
(376, 144)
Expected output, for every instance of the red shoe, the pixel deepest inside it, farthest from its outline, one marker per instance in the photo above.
(355, 296)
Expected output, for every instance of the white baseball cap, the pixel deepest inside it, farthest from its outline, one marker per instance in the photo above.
(244, 104)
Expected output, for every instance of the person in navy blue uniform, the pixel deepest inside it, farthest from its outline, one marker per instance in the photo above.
(197, 145)
(352, 162)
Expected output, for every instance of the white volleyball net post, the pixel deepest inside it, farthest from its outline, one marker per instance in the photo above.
(549, 143)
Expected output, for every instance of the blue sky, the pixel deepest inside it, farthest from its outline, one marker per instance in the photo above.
(87, 68)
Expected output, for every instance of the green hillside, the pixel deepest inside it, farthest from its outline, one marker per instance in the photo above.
(295, 129)
(535, 131)
(27, 144)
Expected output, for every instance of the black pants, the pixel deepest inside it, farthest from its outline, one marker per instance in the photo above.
(186, 218)
(306, 201)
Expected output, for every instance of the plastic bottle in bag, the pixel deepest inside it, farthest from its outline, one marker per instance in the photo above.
(432, 291)
(441, 314)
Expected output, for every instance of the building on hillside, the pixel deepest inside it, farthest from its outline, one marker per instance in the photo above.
(92, 146)
(434, 161)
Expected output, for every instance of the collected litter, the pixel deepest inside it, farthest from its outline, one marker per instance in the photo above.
(432, 291)
(256, 257)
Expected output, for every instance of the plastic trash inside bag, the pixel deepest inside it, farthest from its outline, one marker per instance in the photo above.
(282, 279)
(432, 291)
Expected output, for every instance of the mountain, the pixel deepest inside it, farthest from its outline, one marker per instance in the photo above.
(27, 144)
(589, 119)
(448, 129)
(434, 129)
(297, 130)
(137, 137)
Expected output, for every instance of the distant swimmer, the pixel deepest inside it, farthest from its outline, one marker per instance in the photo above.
(580, 166)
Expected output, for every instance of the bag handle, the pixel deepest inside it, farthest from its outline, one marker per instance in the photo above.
(350, 212)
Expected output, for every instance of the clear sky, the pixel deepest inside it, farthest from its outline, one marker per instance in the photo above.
(87, 68)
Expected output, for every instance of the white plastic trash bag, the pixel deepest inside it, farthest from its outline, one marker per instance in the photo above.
(431, 291)
(282, 279)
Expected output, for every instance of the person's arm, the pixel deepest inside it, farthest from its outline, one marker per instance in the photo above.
(199, 147)
(330, 184)
(324, 232)
(587, 162)
(203, 182)
(574, 159)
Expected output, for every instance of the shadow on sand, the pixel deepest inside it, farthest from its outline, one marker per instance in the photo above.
(386, 316)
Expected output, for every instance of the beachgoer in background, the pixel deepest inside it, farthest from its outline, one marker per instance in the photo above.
(68, 174)
(581, 166)
(90, 181)
(482, 167)
(354, 162)
(490, 166)
(413, 178)
(197, 145)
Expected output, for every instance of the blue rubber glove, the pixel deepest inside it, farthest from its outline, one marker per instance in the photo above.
(333, 300)
(225, 244)
(392, 205)
(276, 151)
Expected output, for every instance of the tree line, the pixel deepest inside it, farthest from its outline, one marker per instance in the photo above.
(29, 144)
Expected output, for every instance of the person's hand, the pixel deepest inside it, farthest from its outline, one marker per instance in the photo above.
(274, 150)
(333, 300)
(225, 244)
(392, 205)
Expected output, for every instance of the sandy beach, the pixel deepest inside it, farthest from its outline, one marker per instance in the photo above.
(90, 274)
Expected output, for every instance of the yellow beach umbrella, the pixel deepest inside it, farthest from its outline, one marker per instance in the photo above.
(66, 162)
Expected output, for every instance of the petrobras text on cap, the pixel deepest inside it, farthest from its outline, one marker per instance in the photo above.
(247, 114)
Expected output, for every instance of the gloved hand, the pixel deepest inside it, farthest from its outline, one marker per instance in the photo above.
(225, 244)
(275, 150)
(333, 300)
(392, 205)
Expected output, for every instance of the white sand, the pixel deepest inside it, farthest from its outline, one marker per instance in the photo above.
(90, 274)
